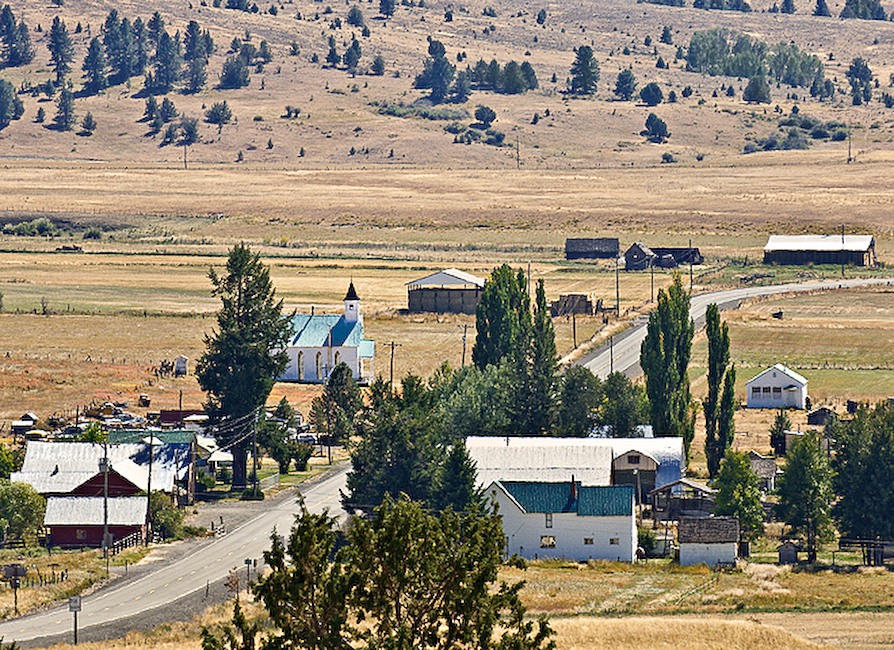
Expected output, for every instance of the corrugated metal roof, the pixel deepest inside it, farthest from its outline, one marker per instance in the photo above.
(589, 501)
(88, 511)
(859, 243)
(181, 436)
(60, 467)
(312, 331)
(446, 278)
(788, 372)
(708, 530)
(556, 459)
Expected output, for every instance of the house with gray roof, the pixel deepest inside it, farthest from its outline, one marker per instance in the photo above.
(79, 521)
(566, 520)
(776, 387)
(450, 291)
(708, 540)
(322, 341)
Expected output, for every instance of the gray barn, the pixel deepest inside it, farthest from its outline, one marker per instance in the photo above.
(858, 250)
(598, 248)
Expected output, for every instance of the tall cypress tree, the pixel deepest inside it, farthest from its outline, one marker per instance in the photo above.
(664, 357)
(539, 371)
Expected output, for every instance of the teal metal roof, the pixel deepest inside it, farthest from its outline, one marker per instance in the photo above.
(313, 330)
(138, 435)
(590, 501)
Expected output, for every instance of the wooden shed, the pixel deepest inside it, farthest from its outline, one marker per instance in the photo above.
(595, 248)
(450, 291)
(708, 540)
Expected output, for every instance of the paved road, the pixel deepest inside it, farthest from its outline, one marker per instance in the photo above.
(188, 575)
(623, 355)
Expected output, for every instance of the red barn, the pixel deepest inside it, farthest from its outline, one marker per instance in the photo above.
(78, 521)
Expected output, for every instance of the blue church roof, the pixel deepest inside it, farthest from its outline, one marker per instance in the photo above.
(592, 501)
(313, 331)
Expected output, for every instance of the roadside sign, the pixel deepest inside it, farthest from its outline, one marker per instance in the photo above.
(74, 603)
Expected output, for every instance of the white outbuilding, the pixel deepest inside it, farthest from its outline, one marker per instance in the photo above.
(708, 540)
(566, 520)
(776, 387)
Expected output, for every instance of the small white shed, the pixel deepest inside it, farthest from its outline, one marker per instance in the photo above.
(708, 540)
(777, 387)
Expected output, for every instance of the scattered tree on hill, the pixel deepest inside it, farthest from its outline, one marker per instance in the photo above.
(61, 49)
(386, 7)
(860, 78)
(664, 358)
(625, 86)
(352, 56)
(11, 107)
(788, 7)
(738, 494)
(95, 67)
(437, 73)
(667, 36)
(510, 79)
(219, 114)
(88, 124)
(864, 9)
(757, 91)
(355, 16)
(378, 65)
(243, 358)
(119, 46)
(462, 87)
(541, 16)
(15, 40)
(234, 73)
(822, 9)
(584, 71)
(485, 115)
(805, 493)
(65, 116)
(333, 58)
(167, 63)
(651, 94)
(656, 129)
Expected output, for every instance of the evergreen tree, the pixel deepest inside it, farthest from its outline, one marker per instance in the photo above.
(95, 68)
(11, 108)
(805, 493)
(333, 58)
(167, 63)
(651, 94)
(352, 56)
(196, 75)
(462, 85)
(656, 129)
(15, 40)
(65, 116)
(788, 7)
(88, 124)
(738, 494)
(580, 393)
(355, 16)
(781, 424)
(437, 73)
(502, 318)
(386, 7)
(234, 73)
(664, 358)
(717, 334)
(243, 358)
(335, 411)
(864, 474)
(757, 91)
(140, 41)
(667, 36)
(584, 71)
(822, 9)
(459, 479)
(535, 401)
(479, 401)
(625, 86)
(61, 49)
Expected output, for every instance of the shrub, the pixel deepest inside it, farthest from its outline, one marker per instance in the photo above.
(668, 157)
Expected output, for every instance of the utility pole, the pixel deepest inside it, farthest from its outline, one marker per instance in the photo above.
(690, 267)
(465, 327)
(517, 154)
(843, 250)
(254, 453)
(149, 491)
(391, 372)
(611, 353)
(652, 274)
(104, 468)
(617, 288)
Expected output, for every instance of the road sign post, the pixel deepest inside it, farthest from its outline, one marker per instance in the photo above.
(14, 573)
(74, 606)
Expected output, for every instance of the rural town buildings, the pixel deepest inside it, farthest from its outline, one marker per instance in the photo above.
(566, 519)
(594, 248)
(776, 387)
(708, 540)
(450, 291)
(322, 341)
(858, 250)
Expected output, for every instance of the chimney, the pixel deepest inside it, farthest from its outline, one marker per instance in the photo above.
(573, 488)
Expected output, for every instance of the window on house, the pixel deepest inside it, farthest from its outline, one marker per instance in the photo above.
(766, 390)
(588, 541)
(755, 391)
(614, 541)
(777, 392)
(549, 520)
(301, 366)
(547, 541)
(633, 459)
(80, 533)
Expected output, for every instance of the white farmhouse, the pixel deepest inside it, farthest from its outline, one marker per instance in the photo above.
(566, 520)
(708, 540)
(777, 387)
(322, 341)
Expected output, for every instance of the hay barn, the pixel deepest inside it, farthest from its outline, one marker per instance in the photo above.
(450, 291)
(856, 250)
(591, 249)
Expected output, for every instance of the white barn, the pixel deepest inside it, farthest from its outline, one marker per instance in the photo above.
(566, 520)
(708, 540)
(322, 341)
(776, 387)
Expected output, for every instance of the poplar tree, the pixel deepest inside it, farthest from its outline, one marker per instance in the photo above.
(716, 444)
(502, 318)
(664, 358)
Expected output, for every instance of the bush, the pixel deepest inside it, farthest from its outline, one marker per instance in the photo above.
(253, 494)
(668, 157)
(166, 518)
(302, 454)
(646, 539)
(93, 233)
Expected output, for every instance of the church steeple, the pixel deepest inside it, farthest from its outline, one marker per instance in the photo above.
(352, 304)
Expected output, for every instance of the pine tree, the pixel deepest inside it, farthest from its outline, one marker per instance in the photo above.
(11, 107)
(788, 7)
(584, 71)
(580, 393)
(822, 9)
(386, 7)
(167, 63)
(625, 86)
(61, 49)
(65, 115)
(540, 370)
(140, 40)
(95, 67)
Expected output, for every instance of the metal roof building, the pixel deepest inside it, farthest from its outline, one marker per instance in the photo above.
(858, 250)
(450, 291)
(592, 248)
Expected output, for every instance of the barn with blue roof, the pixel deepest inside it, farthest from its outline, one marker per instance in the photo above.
(567, 520)
(322, 341)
